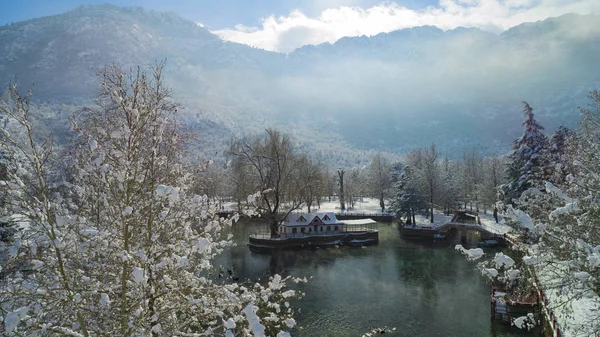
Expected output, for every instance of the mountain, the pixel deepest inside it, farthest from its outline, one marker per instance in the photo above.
(392, 91)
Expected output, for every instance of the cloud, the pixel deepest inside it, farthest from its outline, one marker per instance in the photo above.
(286, 33)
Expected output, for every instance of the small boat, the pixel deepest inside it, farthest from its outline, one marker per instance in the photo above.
(488, 243)
(506, 306)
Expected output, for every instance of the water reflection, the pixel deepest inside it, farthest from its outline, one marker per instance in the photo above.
(421, 289)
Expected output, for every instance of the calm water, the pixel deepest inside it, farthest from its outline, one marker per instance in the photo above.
(419, 289)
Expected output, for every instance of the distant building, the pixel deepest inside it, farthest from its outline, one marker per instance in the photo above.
(303, 224)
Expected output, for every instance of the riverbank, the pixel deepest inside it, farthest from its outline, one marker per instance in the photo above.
(568, 307)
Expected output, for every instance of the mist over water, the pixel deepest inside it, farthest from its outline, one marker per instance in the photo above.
(421, 289)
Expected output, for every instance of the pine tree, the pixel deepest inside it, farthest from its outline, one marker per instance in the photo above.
(405, 199)
(526, 161)
(557, 156)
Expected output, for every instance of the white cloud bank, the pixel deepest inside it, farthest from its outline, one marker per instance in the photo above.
(286, 33)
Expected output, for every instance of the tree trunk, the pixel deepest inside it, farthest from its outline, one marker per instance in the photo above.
(341, 179)
(382, 203)
(274, 229)
(431, 205)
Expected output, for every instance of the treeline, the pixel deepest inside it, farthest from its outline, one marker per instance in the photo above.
(424, 181)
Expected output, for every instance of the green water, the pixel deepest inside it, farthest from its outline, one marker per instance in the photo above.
(421, 289)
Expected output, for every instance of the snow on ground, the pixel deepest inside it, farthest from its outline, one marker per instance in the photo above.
(368, 206)
(488, 222)
(576, 318)
(439, 218)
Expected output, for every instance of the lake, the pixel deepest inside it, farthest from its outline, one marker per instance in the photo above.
(420, 289)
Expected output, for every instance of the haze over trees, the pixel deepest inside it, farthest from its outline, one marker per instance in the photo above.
(228, 89)
(380, 179)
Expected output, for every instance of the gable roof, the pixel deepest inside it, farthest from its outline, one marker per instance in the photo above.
(305, 219)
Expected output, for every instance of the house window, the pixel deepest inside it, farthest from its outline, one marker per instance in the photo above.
(301, 219)
(326, 217)
(321, 228)
(294, 230)
(328, 228)
(310, 230)
(335, 228)
(302, 229)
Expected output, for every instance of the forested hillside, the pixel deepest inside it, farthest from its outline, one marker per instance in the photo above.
(392, 92)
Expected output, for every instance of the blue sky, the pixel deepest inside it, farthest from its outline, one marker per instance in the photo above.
(214, 14)
(284, 25)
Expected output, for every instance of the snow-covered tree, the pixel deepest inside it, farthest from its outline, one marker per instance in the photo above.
(126, 248)
(7, 224)
(313, 175)
(406, 199)
(493, 176)
(355, 186)
(431, 177)
(379, 178)
(564, 219)
(524, 169)
(449, 187)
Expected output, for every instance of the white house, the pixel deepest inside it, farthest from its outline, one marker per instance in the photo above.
(303, 224)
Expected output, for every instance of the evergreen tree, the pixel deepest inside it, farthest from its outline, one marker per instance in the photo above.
(558, 156)
(526, 161)
(406, 199)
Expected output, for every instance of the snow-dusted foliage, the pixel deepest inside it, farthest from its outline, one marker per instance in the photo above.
(405, 198)
(524, 169)
(556, 210)
(379, 179)
(471, 254)
(559, 217)
(119, 246)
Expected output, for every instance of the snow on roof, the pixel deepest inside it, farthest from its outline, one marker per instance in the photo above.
(359, 222)
(305, 219)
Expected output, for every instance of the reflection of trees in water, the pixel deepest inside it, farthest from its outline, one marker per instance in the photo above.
(423, 266)
(281, 262)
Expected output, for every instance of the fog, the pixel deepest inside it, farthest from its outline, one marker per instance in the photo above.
(392, 92)
(416, 86)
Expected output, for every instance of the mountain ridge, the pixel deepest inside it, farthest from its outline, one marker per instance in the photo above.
(382, 92)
